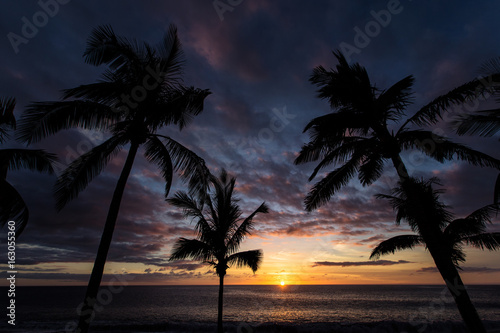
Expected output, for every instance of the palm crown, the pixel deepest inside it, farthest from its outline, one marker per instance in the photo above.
(417, 203)
(361, 134)
(219, 226)
(220, 230)
(141, 92)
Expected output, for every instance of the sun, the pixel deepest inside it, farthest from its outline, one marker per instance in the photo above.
(282, 283)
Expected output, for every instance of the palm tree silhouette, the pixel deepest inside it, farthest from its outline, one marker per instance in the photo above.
(12, 205)
(220, 231)
(417, 203)
(362, 135)
(140, 93)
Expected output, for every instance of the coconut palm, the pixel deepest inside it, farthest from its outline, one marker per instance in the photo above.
(453, 233)
(220, 231)
(12, 205)
(363, 133)
(417, 203)
(140, 93)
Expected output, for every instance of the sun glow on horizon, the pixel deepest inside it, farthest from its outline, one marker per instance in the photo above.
(282, 283)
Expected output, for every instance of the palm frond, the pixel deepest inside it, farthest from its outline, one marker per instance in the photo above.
(7, 119)
(181, 105)
(483, 123)
(46, 118)
(187, 203)
(105, 47)
(397, 243)
(336, 124)
(191, 249)
(432, 112)
(371, 169)
(223, 205)
(483, 214)
(347, 86)
(193, 167)
(441, 149)
(320, 147)
(461, 228)
(350, 147)
(397, 97)
(251, 259)
(490, 66)
(12, 207)
(417, 202)
(485, 241)
(157, 153)
(323, 190)
(172, 57)
(245, 228)
(105, 92)
(191, 208)
(30, 159)
(82, 170)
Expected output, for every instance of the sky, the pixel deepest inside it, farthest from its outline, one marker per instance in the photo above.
(256, 57)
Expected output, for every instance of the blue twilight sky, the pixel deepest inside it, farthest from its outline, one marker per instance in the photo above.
(256, 57)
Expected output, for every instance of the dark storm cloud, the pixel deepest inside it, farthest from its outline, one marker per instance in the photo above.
(361, 263)
(255, 61)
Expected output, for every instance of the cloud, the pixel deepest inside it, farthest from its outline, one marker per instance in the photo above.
(470, 269)
(259, 58)
(361, 263)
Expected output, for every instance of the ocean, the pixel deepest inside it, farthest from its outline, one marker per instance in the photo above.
(249, 309)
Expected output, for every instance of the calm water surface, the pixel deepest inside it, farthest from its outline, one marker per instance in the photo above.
(55, 307)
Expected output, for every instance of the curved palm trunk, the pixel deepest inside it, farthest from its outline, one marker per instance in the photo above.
(221, 303)
(455, 285)
(433, 238)
(87, 311)
(445, 266)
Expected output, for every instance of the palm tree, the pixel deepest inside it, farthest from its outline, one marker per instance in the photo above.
(140, 93)
(220, 231)
(12, 205)
(416, 202)
(362, 134)
(413, 198)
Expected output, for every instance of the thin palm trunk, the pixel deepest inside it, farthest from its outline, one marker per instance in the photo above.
(457, 289)
(221, 303)
(445, 266)
(87, 311)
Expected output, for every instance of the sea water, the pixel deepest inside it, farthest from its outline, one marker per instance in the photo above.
(257, 308)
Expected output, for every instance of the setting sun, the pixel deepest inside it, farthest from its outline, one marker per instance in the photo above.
(282, 283)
